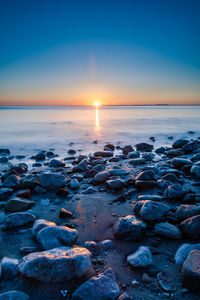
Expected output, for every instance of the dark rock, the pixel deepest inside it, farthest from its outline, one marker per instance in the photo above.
(170, 177)
(115, 184)
(195, 171)
(5, 193)
(126, 149)
(3, 160)
(52, 180)
(30, 182)
(14, 295)
(9, 268)
(180, 162)
(145, 175)
(144, 147)
(167, 230)
(12, 181)
(134, 154)
(91, 246)
(18, 204)
(24, 193)
(74, 184)
(150, 197)
(65, 213)
(179, 143)
(71, 151)
(50, 154)
(110, 146)
(4, 151)
(185, 211)
(81, 167)
(174, 152)
(40, 156)
(191, 227)
(104, 153)
(191, 270)
(141, 258)
(56, 265)
(55, 163)
(39, 225)
(129, 228)
(190, 147)
(62, 192)
(137, 161)
(175, 192)
(160, 150)
(101, 177)
(102, 286)
(89, 190)
(27, 250)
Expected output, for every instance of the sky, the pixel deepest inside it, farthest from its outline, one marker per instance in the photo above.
(117, 52)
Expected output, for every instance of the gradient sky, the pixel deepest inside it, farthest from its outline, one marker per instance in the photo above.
(69, 52)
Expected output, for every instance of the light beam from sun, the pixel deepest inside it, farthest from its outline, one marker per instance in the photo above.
(97, 104)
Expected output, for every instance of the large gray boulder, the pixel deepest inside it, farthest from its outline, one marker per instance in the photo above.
(129, 228)
(14, 295)
(39, 225)
(56, 265)
(142, 257)
(153, 211)
(57, 236)
(52, 181)
(19, 219)
(191, 270)
(183, 251)
(100, 287)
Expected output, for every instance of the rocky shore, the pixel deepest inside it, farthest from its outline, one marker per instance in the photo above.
(121, 223)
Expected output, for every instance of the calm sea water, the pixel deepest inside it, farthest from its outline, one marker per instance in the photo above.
(26, 130)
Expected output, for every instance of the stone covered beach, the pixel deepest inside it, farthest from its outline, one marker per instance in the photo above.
(121, 223)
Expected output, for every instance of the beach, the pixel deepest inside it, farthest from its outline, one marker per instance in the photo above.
(116, 214)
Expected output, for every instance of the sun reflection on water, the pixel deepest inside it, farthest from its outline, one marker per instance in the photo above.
(97, 127)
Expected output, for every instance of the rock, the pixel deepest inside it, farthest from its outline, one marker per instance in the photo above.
(115, 184)
(52, 181)
(167, 230)
(71, 151)
(14, 295)
(12, 181)
(160, 150)
(20, 168)
(36, 165)
(5, 193)
(56, 236)
(40, 156)
(180, 162)
(99, 168)
(81, 167)
(118, 172)
(91, 246)
(191, 270)
(134, 154)
(110, 146)
(100, 287)
(4, 151)
(129, 228)
(24, 193)
(137, 161)
(191, 227)
(144, 147)
(196, 157)
(163, 184)
(3, 160)
(183, 251)
(153, 211)
(124, 296)
(163, 284)
(9, 268)
(144, 184)
(170, 177)
(126, 149)
(65, 213)
(179, 143)
(74, 184)
(101, 177)
(56, 265)
(30, 182)
(175, 192)
(174, 152)
(39, 225)
(145, 175)
(104, 153)
(185, 211)
(50, 154)
(89, 190)
(27, 250)
(62, 192)
(55, 163)
(195, 171)
(142, 257)
(146, 278)
(19, 219)
(18, 204)
(190, 147)
(150, 197)
(107, 245)
(39, 190)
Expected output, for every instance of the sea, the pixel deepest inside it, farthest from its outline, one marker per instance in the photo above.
(26, 130)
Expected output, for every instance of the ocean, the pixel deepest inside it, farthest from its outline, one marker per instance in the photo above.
(27, 130)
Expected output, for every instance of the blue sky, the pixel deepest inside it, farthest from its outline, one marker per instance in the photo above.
(119, 52)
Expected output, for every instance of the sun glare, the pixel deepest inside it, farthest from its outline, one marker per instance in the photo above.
(97, 103)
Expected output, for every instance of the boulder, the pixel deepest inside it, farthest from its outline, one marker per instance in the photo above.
(55, 163)
(18, 204)
(195, 171)
(74, 184)
(144, 147)
(19, 219)
(118, 172)
(5, 193)
(30, 181)
(100, 287)
(191, 227)
(56, 236)
(167, 230)
(104, 153)
(9, 268)
(183, 251)
(4, 151)
(175, 192)
(24, 193)
(52, 181)
(153, 211)
(129, 228)
(115, 184)
(137, 161)
(101, 177)
(134, 154)
(185, 211)
(39, 225)
(179, 143)
(14, 295)
(180, 162)
(81, 167)
(141, 258)
(56, 265)
(126, 149)
(12, 181)
(145, 175)
(191, 270)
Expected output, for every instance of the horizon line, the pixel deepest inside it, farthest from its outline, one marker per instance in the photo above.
(70, 105)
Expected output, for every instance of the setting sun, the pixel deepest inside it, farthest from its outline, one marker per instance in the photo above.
(97, 103)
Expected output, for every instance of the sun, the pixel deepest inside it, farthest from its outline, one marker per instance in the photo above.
(97, 103)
